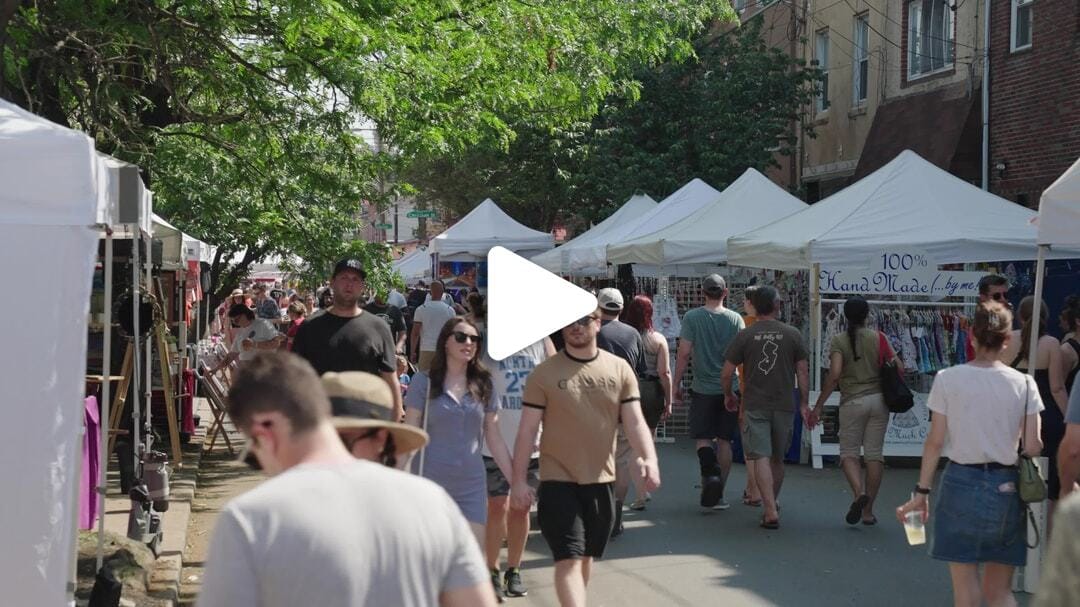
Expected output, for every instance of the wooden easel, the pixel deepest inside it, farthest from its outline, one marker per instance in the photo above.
(116, 413)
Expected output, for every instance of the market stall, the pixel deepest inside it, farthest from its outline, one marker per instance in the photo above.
(414, 266)
(51, 211)
(587, 253)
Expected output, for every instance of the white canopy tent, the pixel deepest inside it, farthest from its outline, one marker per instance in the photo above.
(909, 203)
(485, 227)
(51, 207)
(414, 266)
(751, 201)
(588, 252)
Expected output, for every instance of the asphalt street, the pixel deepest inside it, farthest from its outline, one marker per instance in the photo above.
(673, 554)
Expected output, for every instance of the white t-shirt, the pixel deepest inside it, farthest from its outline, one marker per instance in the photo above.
(985, 408)
(353, 534)
(433, 315)
(259, 330)
(446, 298)
(508, 376)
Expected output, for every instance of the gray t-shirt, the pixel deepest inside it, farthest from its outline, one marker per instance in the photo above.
(768, 351)
(623, 341)
(353, 534)
(1072, 415)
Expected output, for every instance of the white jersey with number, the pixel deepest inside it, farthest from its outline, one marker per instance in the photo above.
(508, 376)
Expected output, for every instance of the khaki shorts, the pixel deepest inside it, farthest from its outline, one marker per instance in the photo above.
(863, 422)
(424, 362)
(767, 434)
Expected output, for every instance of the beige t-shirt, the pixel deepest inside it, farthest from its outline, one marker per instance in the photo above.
(863, 376)
(581, 400)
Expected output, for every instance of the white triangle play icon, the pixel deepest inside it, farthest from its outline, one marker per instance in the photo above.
(526, 303)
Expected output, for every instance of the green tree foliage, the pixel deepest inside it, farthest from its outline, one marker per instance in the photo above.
(731, 106)
(244, 113)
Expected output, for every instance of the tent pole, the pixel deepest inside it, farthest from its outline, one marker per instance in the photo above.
(815, 325)
(1034, 555)
(136, 297)
(106, 393)
(148, 435)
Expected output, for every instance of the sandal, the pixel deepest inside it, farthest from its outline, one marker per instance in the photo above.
(638, 505)
(855, 511)
(770, 524)
(869, 522)
(750, 502)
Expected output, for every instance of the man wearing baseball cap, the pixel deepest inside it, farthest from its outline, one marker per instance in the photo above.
(346, 338)
(623, 341)
(707, 332)
(362, 412)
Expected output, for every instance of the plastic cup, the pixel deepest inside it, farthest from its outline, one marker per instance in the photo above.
(914, 528)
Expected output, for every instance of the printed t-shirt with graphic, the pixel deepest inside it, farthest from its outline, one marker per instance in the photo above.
(768, 351)
(338, 343)
(268, 309)
(258, 331)
(581, 400)
(295, 540)
(863, 376)
(509, 377)
(432, 316)
(710, 333)
(390, 314)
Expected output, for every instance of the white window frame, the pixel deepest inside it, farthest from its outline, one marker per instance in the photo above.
(821, 100)
(1013, 23)
(914, 9)
(860, 56)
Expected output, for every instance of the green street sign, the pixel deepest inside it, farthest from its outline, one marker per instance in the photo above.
(418, 213)
(384, 226)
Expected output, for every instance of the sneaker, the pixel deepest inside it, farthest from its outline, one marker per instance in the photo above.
(712, 491)
(617, 531)
(497, 584)
(514, 585)
(721, 505)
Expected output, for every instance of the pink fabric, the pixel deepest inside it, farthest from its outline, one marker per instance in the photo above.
(88, 503)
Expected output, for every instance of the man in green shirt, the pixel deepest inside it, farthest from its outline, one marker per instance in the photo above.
(706, 333)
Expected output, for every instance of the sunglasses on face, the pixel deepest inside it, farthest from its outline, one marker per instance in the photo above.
(585, 321)
(997, 296)
(351, 441)
(461, 337)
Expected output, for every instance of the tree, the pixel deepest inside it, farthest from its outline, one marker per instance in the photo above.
(244, 113)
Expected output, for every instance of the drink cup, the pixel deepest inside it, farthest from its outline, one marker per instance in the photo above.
(914, 528)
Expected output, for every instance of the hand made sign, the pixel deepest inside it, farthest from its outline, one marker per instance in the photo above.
(901, 273)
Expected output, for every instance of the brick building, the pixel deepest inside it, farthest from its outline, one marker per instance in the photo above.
(1034, 95)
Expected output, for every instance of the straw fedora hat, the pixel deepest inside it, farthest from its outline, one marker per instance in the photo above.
(361, 401)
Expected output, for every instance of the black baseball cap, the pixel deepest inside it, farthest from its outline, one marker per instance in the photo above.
(349, 264)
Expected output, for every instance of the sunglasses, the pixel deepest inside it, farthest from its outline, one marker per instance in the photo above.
(461, 337)
(997, 296)
(585, 321)
(350, 441)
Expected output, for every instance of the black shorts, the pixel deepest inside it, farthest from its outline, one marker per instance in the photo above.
(709, 419)
(498, 486)
(576, 520)
(652, 401)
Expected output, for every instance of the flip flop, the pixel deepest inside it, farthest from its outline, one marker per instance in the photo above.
(770, 524)
(870, 521)
(854, 513)
(750, 502)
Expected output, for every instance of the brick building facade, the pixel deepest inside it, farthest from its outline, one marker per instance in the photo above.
(1034, 95)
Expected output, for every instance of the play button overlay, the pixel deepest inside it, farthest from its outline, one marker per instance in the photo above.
(526, 303)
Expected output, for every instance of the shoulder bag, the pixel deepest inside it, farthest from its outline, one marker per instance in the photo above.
(1030, 484)
(898, 397)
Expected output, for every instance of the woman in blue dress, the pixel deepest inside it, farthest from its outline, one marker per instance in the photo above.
(457, 398)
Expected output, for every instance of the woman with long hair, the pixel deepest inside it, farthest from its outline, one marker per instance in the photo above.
(655, 386)
(855, 359)
(1050, 378)
(1070, 345)
(979, 410)
(457, 398)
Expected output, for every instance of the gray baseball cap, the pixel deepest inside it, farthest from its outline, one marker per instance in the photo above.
(713, 283)
(610, 299)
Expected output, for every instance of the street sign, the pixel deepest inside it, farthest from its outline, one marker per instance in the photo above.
(418, 213)
(384, 226)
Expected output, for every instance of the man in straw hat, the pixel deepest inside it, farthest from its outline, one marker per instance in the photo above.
(329, 529)
(362, 410)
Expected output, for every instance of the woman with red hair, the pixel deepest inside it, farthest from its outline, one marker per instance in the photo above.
(655, 386)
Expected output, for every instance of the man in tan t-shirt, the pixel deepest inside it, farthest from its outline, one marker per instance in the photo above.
(580, 395)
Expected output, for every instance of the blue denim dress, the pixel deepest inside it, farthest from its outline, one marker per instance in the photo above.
(453, 457)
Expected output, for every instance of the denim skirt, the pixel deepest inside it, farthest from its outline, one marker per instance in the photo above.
(978, 517)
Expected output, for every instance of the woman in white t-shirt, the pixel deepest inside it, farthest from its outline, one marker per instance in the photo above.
(978, 411)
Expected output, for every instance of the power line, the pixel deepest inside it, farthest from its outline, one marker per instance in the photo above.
(901, 26)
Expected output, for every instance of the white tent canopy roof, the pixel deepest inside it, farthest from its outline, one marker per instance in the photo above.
(414, 265)
(907, 204)
(1059, 210)
(588, 251)
(177, 246)
(485, 227)
(751, 201)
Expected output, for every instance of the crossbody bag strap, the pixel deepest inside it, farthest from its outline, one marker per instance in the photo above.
(423, 422)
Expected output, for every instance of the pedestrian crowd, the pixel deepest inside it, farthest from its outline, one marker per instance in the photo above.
(404, 458)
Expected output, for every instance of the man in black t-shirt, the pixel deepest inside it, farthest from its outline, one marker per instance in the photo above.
(346, 338)
(392, 316)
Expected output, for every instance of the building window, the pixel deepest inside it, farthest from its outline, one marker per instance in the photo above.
(821, 53)
(861, 56)
(1021, 24)
(930, 37)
